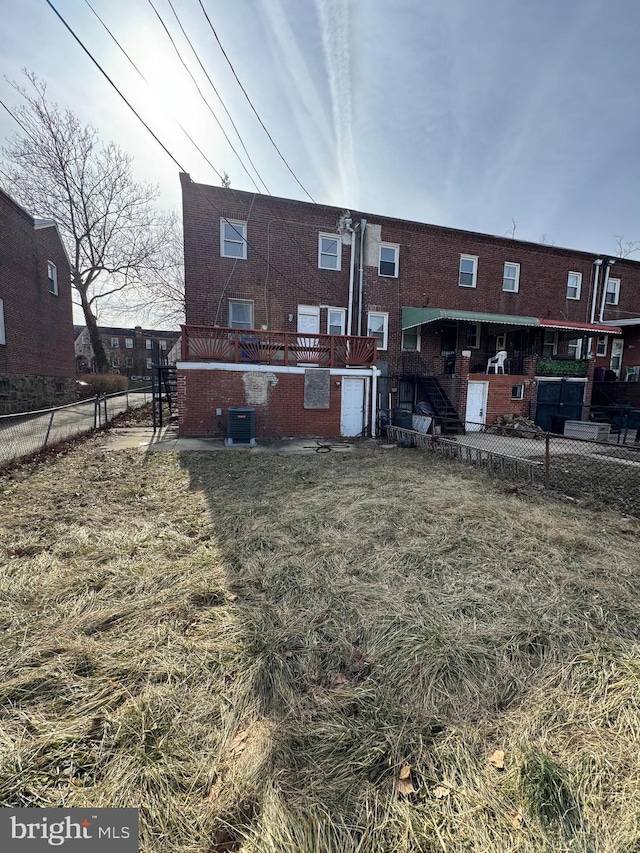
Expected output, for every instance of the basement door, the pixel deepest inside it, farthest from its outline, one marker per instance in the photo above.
(476, 414)
(352, 411)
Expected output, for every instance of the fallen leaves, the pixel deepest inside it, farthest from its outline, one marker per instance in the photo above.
(440, 792)
(405, 785)
(338, 679)
(517, 818)
(238, 744)
(496, 759)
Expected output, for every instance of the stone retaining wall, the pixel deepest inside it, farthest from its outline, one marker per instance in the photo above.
(23, 393)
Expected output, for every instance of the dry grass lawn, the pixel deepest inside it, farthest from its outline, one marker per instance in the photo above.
(362, 653)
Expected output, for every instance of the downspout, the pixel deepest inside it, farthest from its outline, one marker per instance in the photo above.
(351, 274)
(594, 298)
(374, 400)
(610, 263)
(363, 226)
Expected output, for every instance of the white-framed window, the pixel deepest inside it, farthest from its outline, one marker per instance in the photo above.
(468, 272)
(241, 313)
(473, 336)
(388, 260)
(574, 285)
(148, 343)
(517, 392)
(149, 363)
(115, 343)
(601, 345)
(329, 252)
(3, 334)
(52, 275)
(115, 362)
(129, 362)
(511, 277)
(128, 342)
(336, 321)
(501, 341)
(612, 296)
(233, 239)
(162, 345)
(574, 348)
(411, 339)
(549, 343)
(378, 327)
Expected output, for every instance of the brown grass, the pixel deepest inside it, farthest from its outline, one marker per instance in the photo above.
(251, 648)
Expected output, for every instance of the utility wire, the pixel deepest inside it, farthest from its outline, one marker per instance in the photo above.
(276, 211)
(206, 102)
(16, 119)
(211, 83)
(252, 107)
(170, 155)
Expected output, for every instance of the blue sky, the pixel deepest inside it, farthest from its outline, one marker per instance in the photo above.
(467, 113)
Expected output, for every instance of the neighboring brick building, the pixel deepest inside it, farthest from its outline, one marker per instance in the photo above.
(439, 302)
(131, 352)
(36, 323)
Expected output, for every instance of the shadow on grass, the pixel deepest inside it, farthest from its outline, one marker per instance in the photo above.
(400, 621)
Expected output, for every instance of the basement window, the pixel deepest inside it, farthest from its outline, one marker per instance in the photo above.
(517, 392)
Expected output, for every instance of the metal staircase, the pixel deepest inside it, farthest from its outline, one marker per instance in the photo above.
(446, 413)
(164, 387)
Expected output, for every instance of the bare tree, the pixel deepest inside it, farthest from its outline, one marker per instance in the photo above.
(511, 232)
(626, 247)
(60, 169)
(226, 180)
(546, 241)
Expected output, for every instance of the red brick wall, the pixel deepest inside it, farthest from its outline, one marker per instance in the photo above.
(499, 400)
(201, 392)
(39, 325)
(428, 267)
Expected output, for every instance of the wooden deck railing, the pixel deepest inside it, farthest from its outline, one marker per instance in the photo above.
(257, 346)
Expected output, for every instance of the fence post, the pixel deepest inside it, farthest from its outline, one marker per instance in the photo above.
(46, 438)
(96, 411)
(106, 414)
(547, 460)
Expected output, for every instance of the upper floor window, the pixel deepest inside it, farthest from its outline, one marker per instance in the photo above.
(52, 274)
(241, 314)
(149, 363)
(233, 239)
(162, 344)
(336, 321)
(574, 348)
(511, 278)
(128, 342)
(601, 346)
(329, 252)
(574, 285)
(149, 343)
(129, 362)
(613, 291)
(411, 339)
(378, 327)
(468, 271)
(115, 343)
(388, 261)
(3, 336)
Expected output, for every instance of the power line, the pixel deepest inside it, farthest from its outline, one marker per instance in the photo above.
(252, 107)
(166, 150)
(211, 83)
(16, 119)
(186, 133)
(197, 147)
(206, 102)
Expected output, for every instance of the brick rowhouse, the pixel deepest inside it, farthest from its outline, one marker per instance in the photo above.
(281, 274)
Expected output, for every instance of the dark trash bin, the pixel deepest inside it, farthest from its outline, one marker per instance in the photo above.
(402, 418)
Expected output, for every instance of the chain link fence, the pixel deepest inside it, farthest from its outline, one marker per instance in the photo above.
(27, 433)
(593, 459)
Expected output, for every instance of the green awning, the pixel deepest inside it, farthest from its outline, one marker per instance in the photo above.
(412, 317)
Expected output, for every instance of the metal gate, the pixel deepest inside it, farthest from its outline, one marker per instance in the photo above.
(559, 401)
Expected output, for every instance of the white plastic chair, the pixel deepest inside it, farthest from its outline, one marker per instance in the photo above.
(497, 362)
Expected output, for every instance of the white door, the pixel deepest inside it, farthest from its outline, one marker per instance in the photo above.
(617, 347)
(308, 322)
(352, 412)
(476, 414)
